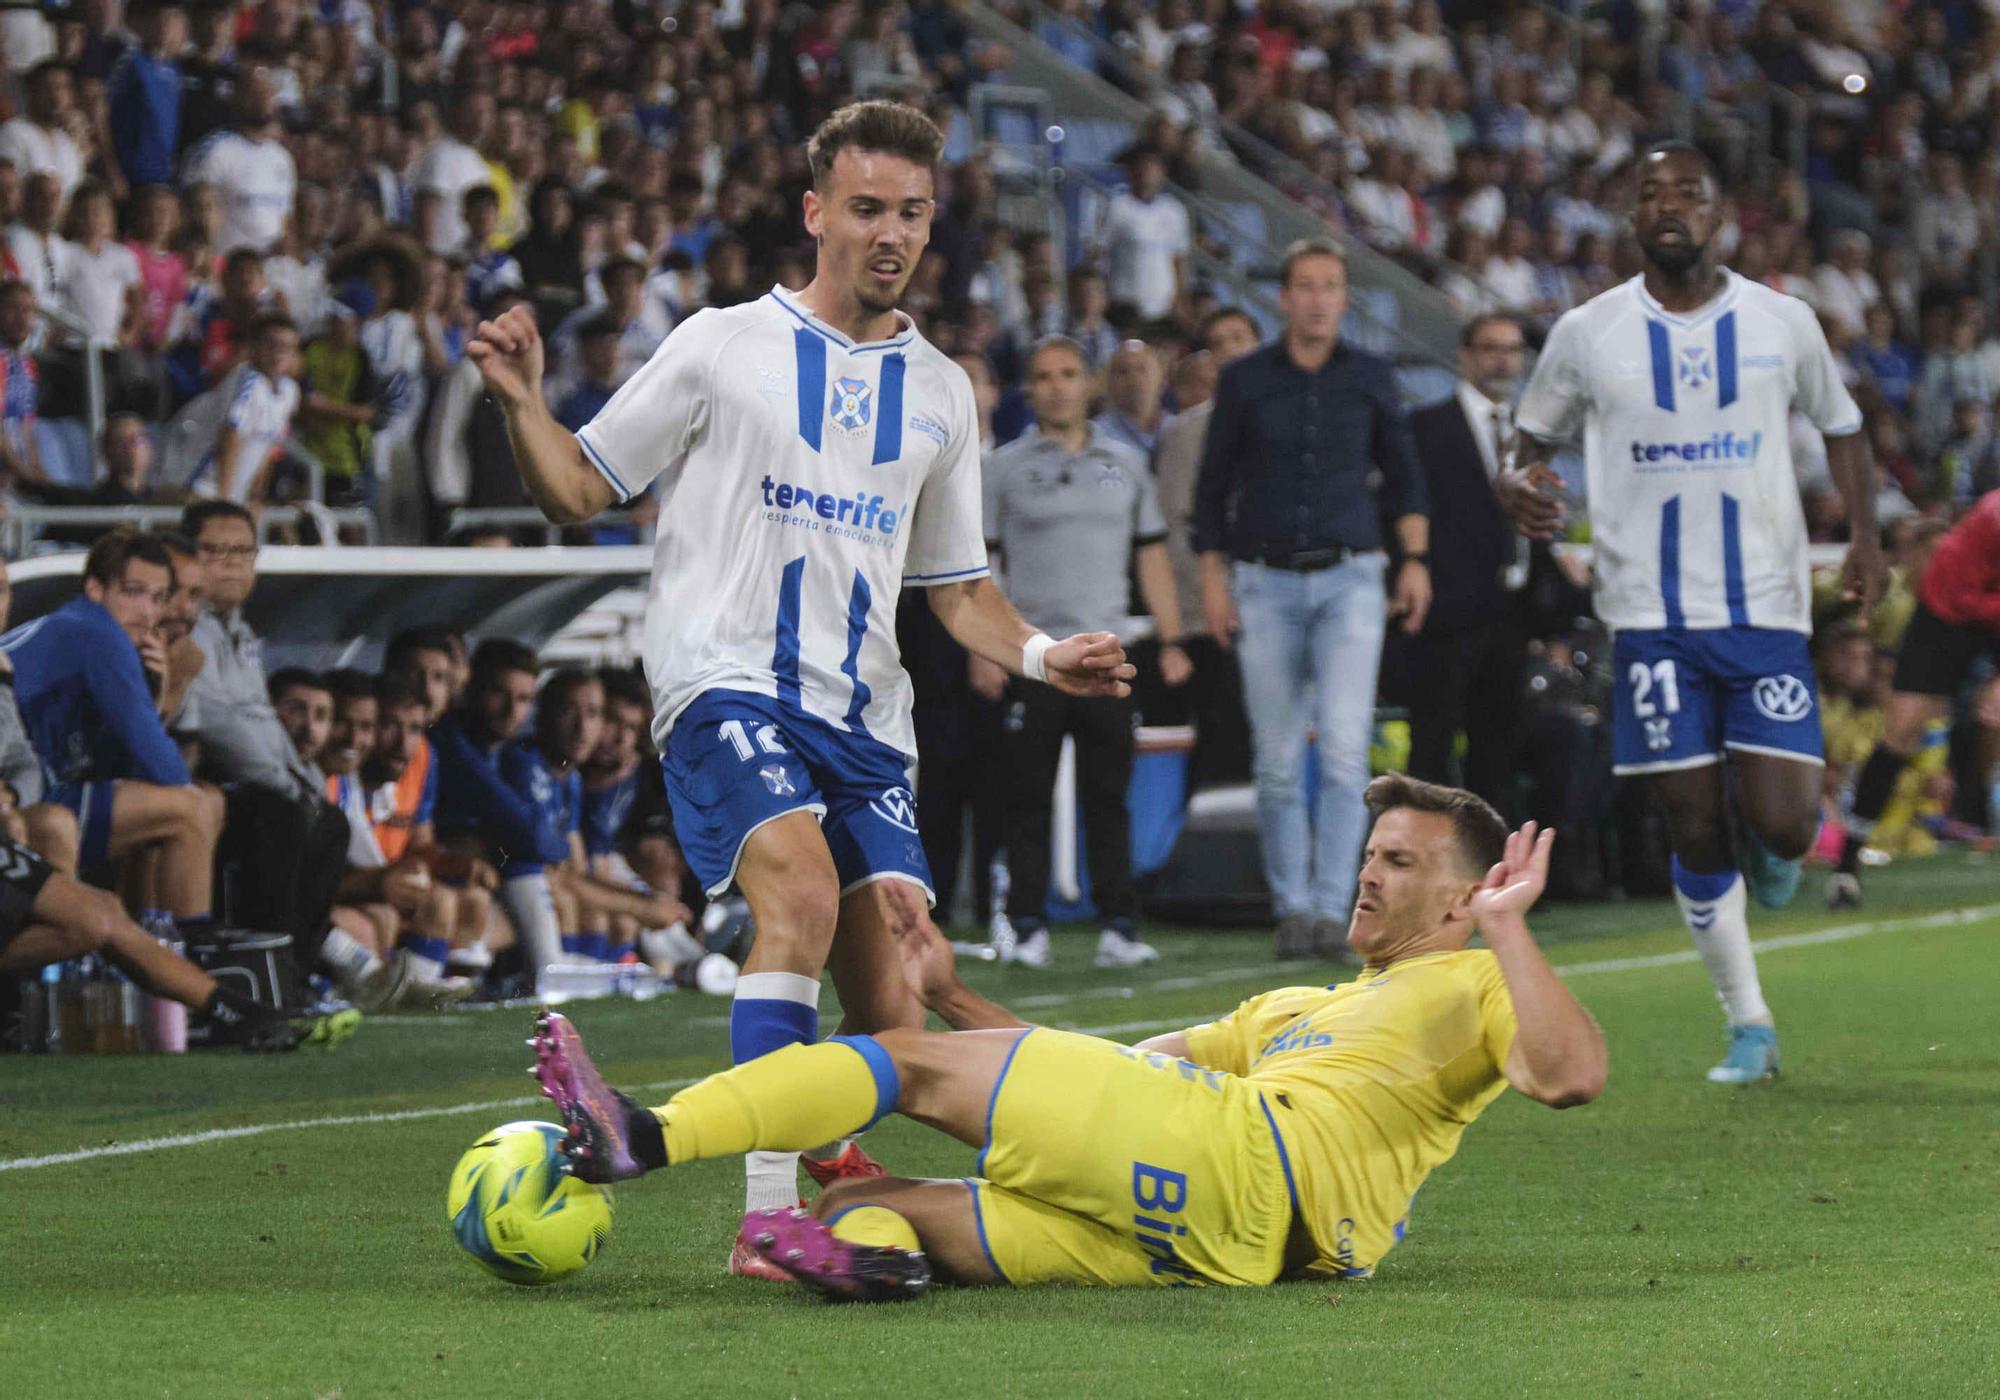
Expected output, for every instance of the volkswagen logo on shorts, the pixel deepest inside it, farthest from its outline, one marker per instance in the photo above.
(898, 807)
(1783, 698)
(775, 779)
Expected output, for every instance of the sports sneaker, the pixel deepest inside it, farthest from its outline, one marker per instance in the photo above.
(379, 990)
(473, 960)
(1753, 1055)
(327, 1031)
(805, 1249)
(1034, 951)
(745, 1262)
(852, 1162)
(1115, 949)
(1001, 937)
(1843, 890)
(419, 993)
(1772, 881)
(594, 1114)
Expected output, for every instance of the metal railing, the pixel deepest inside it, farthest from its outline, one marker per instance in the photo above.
(463, 518)
(26, 524)
(1429, 323)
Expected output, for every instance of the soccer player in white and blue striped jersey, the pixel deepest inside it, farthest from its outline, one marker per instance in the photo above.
(813, 456)
(1681, 383)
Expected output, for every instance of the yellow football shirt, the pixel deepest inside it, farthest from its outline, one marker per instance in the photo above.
(1371, 1083)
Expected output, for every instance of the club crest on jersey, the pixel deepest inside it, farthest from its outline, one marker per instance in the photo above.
(1696, 368)
(852, 405)
(898, 807)
(776, 780)
(1782, 698)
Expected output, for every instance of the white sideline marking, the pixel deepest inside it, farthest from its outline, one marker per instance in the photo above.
(126, 1149)
(1839, 933)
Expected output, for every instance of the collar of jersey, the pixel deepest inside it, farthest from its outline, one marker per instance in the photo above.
(819, 327)
(1715, 305)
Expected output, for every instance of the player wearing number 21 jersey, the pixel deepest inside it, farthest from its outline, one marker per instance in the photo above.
(1682, 383)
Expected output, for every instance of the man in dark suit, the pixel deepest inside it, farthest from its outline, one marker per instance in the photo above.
(1465, 669)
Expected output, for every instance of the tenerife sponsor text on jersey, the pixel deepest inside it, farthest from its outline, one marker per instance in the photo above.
(804, 479)
(1685, 421)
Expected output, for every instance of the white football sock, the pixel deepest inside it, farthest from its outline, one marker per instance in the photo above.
(1721, 931)
(770, 1181)
(347, 957)
(533, 910)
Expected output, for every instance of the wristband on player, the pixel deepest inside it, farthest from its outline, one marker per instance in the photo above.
(1033, 652)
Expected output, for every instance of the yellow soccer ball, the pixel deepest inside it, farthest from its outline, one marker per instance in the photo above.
(515, 1208)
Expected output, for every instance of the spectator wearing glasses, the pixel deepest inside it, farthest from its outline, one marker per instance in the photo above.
(1307, 453)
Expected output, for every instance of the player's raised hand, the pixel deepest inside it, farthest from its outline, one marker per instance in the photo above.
(1512, 887)
(508, 351)
(1528, 495)
(1090, 663)
(929, 965)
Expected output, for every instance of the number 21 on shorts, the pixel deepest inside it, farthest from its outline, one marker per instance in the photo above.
(1645, 680)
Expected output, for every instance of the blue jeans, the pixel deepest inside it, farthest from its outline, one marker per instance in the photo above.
(1310, 648)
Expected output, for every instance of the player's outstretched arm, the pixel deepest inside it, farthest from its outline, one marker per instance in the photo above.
(565, 487)
(982, 621)
(1558, 1056)
(931, 969)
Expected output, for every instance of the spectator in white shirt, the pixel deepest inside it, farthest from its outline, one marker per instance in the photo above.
(1846, 287)
(451, 165)
(1144, 240)
(249, 167)
(1509, 275)
(103, 287)
(39, 140)
(42, 255)
(247, 418)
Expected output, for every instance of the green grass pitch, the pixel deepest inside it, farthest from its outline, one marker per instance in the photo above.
(1834, 1232)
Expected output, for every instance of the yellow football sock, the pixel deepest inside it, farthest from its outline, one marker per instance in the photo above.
(786, 1101)
(874, 1225)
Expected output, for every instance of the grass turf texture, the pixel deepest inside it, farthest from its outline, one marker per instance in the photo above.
(1830, 1233)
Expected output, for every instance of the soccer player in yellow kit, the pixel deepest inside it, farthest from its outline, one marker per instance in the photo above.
(1284, 1139)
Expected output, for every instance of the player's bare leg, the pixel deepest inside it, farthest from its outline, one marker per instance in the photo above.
(874, 996)
(1714, 902)
(53, 835)
(184, 822)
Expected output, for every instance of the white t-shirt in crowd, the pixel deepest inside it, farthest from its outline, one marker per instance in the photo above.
(258, 408)
(33, 148)
(98, 283)
(257, 180)
(1686, 421)
(450, 167)
(45, 263)
(804, 479)
(1140, 240)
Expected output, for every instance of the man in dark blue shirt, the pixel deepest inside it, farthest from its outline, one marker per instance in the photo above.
(144, 97)
(87, 700)
(1307, 453)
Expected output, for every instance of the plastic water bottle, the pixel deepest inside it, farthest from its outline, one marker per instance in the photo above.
(164, 1027)
(635, 980)
(568, 981)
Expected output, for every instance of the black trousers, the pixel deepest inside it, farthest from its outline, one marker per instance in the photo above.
(1037, 719)
(1471, 680)
(959, 766)
(278, 865)
(1211, 700)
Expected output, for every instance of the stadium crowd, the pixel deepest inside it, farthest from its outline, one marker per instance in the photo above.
(274, 226)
